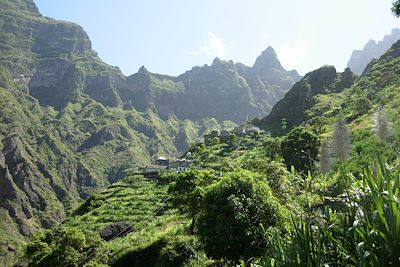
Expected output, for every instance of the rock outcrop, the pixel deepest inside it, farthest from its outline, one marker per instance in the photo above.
(372, 50)
(118, 229)
(292, 108)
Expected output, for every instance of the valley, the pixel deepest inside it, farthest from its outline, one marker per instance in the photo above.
(280, 169)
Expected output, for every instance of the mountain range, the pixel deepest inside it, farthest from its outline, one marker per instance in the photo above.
(360, 59)
(71, 124)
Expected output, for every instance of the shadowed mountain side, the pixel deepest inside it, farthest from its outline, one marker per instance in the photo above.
(292, 108)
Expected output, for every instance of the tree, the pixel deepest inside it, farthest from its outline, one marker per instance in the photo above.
(396, 8)
(272, 147)
(65, 247)
(362, 105)
(187, 191)
(300, 149)
(237, 213)
(341, 139)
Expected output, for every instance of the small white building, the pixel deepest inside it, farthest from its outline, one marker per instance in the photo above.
(180, 165)
(153, 168)
(162, 161)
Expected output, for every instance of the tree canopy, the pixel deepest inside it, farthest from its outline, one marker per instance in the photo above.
(396, 8)
(300, 148)
(237, 213)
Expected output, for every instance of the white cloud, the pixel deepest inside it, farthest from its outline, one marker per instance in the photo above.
(213, 47)
(292, 56)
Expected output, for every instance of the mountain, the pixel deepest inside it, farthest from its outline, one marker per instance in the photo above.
(160, 233)
(292, 108)
(372, 50)
(321, 95)
(64, 129)
(71, 125)
(224, 90)
(60, 67)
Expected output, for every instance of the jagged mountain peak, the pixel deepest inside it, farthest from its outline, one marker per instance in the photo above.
(323, 73)
(143, 70)
(370, 44)
(372, 50)
(295, 75)
(216, 61)
(267, 59)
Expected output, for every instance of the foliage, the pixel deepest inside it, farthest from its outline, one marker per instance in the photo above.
(134, 200)
(324, 157)
(341, 140)
(178, 250)
(396, 8)
(382, 126)
(188, 189)
(167, 251)
(365, 234)
(272, 147)
(64, 247)
(300, 149)
(273, 172)
(237, 214)
(361, 106)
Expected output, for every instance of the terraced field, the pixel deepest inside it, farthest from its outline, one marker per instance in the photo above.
(135, 200)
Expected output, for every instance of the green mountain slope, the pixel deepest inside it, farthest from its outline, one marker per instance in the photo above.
(293, 107)
(321, 96)
(64, 129)
(71, 124)
(225, 90)
(318, 103)
(82, 134)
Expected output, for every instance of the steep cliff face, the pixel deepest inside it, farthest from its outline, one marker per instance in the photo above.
(224, 90)
(71, 124)
(372, 50)
(61, 67)
(68, 124)
(232, 91)
(54, 57)
(292, 108)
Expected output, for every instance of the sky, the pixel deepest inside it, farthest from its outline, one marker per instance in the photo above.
(172, 36)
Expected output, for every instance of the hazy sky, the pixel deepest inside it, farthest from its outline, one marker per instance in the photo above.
(171, 36)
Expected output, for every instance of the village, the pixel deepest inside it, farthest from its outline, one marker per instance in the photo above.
(164, 164)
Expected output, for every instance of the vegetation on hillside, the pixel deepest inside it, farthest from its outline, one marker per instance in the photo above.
(322, 190)
(323, 194)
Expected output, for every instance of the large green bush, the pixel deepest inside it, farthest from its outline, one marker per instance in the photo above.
(237, 213)
(187, 190)
(65, 247)
(365, 233)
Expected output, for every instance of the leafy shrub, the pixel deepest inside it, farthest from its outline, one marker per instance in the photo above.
(300, 149)
(64, 247)
(237, 212)
(178, 250)
(362, 105)
(165, 252)
(367, 233)
(187, 190)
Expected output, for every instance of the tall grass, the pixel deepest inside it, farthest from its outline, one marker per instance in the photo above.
(365, 233)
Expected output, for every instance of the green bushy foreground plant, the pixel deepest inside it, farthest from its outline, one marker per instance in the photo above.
(238, 215)
(366, 233)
